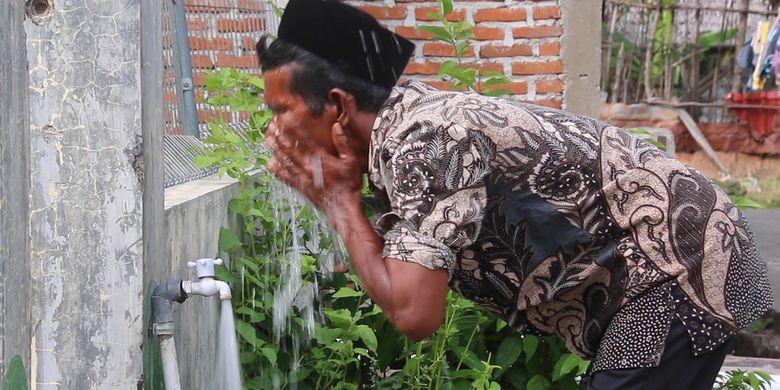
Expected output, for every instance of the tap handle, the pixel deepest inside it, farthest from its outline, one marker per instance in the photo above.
(204, 267)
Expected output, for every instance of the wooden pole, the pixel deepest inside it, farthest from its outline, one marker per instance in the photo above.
(741, 35)
(607, 62)
(649, 50)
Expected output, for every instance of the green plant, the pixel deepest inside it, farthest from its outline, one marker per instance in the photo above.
(15, 375)
(277, 234)
(457, 35)
(739, 380)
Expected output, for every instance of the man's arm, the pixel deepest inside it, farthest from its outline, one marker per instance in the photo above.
(412, 296)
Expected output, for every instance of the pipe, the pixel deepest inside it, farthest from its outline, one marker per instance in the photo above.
(171, 291)
(187, 87)
(162, 326)
(170, 363)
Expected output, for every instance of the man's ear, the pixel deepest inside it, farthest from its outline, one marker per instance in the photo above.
(345, 105)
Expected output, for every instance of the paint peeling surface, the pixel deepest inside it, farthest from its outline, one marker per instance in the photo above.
(86, 203)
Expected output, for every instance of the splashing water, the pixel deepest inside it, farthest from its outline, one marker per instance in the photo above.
(295, 293)
(227, 362)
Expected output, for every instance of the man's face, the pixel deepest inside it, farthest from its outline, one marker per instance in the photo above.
(291, 114)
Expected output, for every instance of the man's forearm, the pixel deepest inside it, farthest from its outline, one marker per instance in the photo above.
(365, 247)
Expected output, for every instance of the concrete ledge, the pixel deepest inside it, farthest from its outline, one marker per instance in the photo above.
(185, 192)
(770, 366)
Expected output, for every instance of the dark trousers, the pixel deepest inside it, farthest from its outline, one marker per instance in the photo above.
(679, 369)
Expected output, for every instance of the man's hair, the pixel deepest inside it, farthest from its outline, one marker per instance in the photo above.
(313, 77)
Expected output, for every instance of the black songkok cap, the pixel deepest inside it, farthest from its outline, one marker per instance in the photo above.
(348, 38)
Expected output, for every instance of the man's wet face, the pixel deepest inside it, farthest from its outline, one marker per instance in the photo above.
(291, 114)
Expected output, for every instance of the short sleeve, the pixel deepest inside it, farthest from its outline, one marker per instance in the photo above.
(434, 180)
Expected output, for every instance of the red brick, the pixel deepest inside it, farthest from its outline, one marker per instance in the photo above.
(488, 33)
(380, 12)
(489, 51)
(454, 16)
(219, 44)
(438, 49)
(210, 115)
(415, 1)
(197, 24)
(500, 15)
(552, 103)
(442, 85)
(169, 97)
(550, 49)
(486, 67)
(549, 86)
(412, 33)
(231, 61)
(199, 78)
(174, 130)
(542, 67)
(248, 43)
(207, 6)
(547, 12)
(537, 32)
(519, 88)
(201, 61)
(251, 5)
(240, 25)
(422, 68)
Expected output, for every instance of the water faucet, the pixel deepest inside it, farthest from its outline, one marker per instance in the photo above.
(206, 285)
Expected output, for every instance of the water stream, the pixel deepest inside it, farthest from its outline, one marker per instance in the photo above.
(227, 362)
(294, 293)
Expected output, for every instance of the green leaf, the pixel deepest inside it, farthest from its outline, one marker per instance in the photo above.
(228, 240)
(254, 315)
(269, 354)
(367, 335)
(746, 203)
(715, 38)
(538, 382)
(204, 161)
(468, 357)
(15, 375)
(346, 292)
(248, 333)
(341, 318)
(446, 7)
(223, 273)
(565, 365)
(530, 343)
(437, 32)
(508, 351)
(326, 335)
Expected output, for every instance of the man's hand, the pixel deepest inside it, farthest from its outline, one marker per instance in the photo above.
(325, 179)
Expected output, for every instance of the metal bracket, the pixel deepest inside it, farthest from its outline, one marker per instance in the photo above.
(186, 84)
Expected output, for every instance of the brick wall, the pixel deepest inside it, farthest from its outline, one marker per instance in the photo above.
(521, 39)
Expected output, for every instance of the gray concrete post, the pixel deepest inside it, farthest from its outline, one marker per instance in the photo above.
(581, 55)
(86, 198)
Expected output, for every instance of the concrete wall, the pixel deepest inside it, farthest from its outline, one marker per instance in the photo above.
(581, 55)
(14, 188)
(85, 196)
(194, 213)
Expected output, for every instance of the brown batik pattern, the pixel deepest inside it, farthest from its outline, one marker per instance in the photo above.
(556, 222)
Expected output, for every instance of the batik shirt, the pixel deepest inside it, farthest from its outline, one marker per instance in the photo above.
(564, 225)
